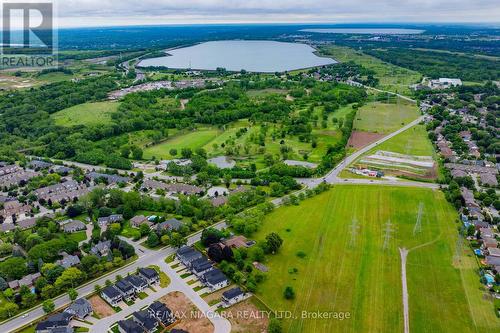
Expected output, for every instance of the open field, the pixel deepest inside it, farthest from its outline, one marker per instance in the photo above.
(392, 78)
(352, 263)
(385, 118)
(413, 141)
(193, 140)
(86, 114)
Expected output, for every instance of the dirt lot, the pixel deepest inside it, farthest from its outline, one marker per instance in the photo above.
(193, 320)
(101, 308)
(360, 139)
(249, 323)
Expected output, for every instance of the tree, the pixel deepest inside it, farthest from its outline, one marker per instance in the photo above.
(274, 326)
(210, 236)
(70, 278)
(48, 306)
(13, 268)
(137, 153)
(90, 264)
(273, 243)
(144, 229)
(289, 293)
(176, 240)
(153, 240)
(8, 309)
(173, 152)
(3, 284)
(73, 294)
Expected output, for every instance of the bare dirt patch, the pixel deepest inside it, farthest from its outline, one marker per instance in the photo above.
(253, 322)
(101, 308)
(193, 321)
(360, 139)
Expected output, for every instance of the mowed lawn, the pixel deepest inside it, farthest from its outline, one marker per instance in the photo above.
(413, 141)
(86, 114)
(385, 118)
(355, 267)
(193, 140)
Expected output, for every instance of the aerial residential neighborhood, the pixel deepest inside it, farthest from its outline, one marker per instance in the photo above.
(249, 167)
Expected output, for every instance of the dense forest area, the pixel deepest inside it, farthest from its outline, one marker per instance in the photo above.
(440, 64)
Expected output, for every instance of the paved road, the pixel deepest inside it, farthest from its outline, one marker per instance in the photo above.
(406, 309)
(333, 176)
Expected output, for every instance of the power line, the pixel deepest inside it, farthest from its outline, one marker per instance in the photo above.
(418, 225)
(388, 230)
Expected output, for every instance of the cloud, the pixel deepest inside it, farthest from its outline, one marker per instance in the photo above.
(112, 12)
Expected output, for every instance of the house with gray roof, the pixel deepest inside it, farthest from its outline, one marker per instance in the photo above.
(68, 261)
(187, 255)
(80, 308)
(114, 218)
(101, 249)
(71, 226)
(57, 323)
(112, 295)
(170, 225)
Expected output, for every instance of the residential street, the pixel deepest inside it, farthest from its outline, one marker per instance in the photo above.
(144, 260)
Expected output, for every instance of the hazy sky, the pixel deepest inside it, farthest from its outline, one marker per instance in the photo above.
(134, 12)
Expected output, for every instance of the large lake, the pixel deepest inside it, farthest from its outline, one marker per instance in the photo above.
(235, 55)
(368, 31)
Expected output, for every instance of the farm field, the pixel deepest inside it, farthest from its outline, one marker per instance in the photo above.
(392, 78)
(385, 118)
(352, 263)
(86, 114)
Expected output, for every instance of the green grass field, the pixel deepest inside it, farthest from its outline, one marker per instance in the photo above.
(385, 118)
(351, 268)
(86, 114)
(413, 141)
(391, 77)
(193, 140)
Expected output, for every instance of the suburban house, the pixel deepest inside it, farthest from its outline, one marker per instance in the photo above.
(233, 296)
(237, 242)
(55, 323)
(201, 266)
(138, 282)
(68, 261)
(136, 221)
(150, 275)
(214, 280)
(172, 224)
(144, 319)
(115, 218)
(111, 295)
(80, 308)
(129, 326)
(126, 289)
(28, 281)
(494, 251)
(71, 226)
(161, 312)
(101, 249)
(187, 255)
(27, 223)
